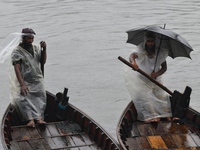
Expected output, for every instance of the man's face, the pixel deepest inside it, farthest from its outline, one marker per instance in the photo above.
(150, 43)
(29, 39)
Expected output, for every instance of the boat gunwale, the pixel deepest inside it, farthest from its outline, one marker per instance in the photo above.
(119, 125)
(3, 139)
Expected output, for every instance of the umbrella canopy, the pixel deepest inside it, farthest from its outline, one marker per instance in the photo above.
(166, 38)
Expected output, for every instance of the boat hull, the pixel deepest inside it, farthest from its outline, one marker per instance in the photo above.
(66, 128)
(133, 134)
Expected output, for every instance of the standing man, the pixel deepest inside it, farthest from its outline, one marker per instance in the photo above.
(30, 95)
(151, 102)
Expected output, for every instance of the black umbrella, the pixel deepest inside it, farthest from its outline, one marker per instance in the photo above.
(165, 38)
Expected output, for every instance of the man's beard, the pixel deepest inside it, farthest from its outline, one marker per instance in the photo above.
(27, 45)
(150, 49)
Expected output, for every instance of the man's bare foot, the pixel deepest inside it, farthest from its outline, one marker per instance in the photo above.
(41, 122)
(31, 123)
(147, 121)
(153, 120)
(157, 119)
(168, 119)
(175, 119)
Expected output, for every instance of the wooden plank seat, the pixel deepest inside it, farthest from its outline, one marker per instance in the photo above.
(162, 135)
(57, 135)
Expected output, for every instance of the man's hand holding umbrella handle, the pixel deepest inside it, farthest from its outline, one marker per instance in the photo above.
(161, 71)
(154, 75)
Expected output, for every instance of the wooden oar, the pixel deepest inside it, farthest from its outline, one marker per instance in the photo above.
(146, 75)
(42, 62)
(42, 59)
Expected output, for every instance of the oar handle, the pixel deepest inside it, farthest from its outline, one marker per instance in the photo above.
(42, 58)
(146, 75)
(42, 61)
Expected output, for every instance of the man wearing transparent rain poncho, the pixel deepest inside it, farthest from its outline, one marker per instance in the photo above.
(151, 102)
(27, 88)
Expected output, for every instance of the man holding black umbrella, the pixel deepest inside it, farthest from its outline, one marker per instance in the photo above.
(156, 104)
(28, 90)
(154, 44)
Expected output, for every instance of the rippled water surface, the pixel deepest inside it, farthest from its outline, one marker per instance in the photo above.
(84, 39)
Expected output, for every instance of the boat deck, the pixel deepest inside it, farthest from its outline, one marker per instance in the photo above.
(55, 136)
(163, 135)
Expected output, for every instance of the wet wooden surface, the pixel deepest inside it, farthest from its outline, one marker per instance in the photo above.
(163, 135)
(59, 135)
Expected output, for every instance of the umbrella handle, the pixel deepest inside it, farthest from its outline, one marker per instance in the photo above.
(146, 75)
(158, 50)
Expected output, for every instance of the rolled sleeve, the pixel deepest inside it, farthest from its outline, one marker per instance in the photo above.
(16, 59)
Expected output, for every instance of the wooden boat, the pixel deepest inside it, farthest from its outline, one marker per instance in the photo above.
(183, 134)
(67, 128)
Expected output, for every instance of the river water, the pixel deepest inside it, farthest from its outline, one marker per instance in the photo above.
(84, 39)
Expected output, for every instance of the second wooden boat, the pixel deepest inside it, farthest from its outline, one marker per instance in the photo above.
(67, 128)
(183, 134)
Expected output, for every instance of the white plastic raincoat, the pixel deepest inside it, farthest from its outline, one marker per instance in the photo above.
(31, 106)
(150, 100)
